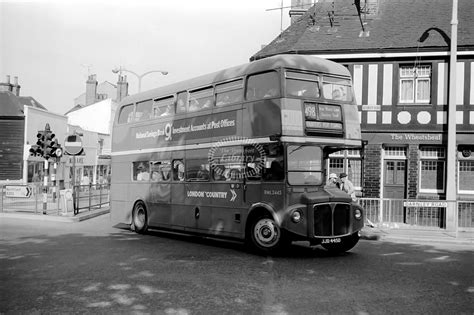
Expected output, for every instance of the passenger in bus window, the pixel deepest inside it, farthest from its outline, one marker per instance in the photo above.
(142, 172)
(166, 171)
(218, 172)
(207, 104)
(234, 174)
(194, 105)
(178, 170)
(271, 93)
(168, 111)
(337, 95)
(181, 106)
(203, 173)
(156, 176)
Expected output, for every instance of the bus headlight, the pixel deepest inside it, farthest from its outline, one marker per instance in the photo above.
(296, 216)
(358, 214)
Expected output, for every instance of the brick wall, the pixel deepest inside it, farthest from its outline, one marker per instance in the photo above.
(412, 171)
(372, 167)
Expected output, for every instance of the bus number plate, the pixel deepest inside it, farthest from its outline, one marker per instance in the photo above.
(331, 240)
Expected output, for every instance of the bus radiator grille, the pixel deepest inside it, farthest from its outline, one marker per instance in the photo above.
(332, 219)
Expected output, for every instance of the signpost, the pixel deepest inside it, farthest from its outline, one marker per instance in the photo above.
(73, 146)
(18, 191)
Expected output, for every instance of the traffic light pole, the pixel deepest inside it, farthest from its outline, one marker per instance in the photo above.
(45, 187)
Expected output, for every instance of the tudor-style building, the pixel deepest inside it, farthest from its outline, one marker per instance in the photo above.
(398, 53)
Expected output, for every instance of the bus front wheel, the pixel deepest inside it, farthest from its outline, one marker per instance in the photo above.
(139, 218)
(346, 244)
(265, 234)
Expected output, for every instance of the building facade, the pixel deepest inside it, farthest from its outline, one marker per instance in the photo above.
(398, 53)
(93, 120)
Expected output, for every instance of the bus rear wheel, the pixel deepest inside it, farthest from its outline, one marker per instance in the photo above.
(139, 218)
(347, 243)
(265, 234)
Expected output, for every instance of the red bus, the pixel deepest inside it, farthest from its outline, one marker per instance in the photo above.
(240, 154)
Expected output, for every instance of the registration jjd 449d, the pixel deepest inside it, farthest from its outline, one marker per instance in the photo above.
(331, 240)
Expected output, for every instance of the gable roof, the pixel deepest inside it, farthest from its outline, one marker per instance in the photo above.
(394, 26)
(12, 105)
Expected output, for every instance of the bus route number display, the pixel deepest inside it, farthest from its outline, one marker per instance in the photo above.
(322, 112)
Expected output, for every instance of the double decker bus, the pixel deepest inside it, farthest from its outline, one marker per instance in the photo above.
(240, 153)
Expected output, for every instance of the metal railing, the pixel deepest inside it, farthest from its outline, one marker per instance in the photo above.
(416, 213)
(85, 198)
(89, 197)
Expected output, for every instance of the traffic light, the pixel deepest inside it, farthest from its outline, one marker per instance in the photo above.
(55, 149)
(46, 146)
(36, 150)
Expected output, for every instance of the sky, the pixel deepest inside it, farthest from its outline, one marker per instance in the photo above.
(52, 46)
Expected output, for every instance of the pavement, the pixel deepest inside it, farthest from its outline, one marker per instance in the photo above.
(400, 233)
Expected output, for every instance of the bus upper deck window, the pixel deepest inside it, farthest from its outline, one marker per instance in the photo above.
(181, 102)
(163, 107)
(201, 99)
(126, 114)
(143, 110)
(229, 92)
(302, 84)
(337, 89)
(263, 85)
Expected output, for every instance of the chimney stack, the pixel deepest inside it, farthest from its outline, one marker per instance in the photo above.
(91, 89)
(16, 87)
(122, 88)
(298, 8)
(6, 86)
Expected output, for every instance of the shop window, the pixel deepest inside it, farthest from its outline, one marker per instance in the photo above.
(466, 177)
(432, 170)
(415, 84)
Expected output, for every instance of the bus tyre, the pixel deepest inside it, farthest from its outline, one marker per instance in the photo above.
(265, 235)
(139, 218)
(346, 244)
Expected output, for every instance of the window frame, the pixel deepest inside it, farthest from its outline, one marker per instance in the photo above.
(135, 166)
(130, 114)
(439, 157)
(346, 156)
(161, 105)
(460, 190)
(262, 97)
(416, 77)
(160, 164)
(296, 76)
(226, 88)
(198, 95)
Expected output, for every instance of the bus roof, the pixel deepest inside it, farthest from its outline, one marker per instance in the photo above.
(301, 62)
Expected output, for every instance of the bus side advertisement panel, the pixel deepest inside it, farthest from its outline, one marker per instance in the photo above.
(177, 132)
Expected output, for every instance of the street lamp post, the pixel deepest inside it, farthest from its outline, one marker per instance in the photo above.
(451, 189)
(451, 218)
(139, 76)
